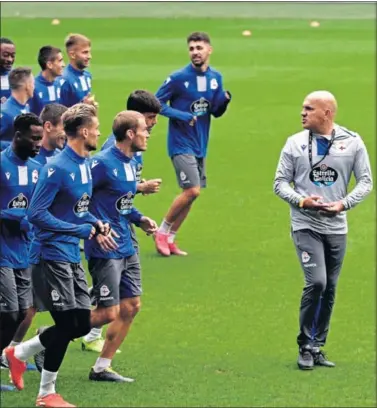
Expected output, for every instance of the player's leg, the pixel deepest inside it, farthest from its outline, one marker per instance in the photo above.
(310, 251)
(9, 311)
(335, 249)
(129, 292)
(73, 319)
(25, 293)
(174, 250)
(188, 176)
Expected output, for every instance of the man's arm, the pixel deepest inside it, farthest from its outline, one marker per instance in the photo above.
(134, 216)
(44, 194)
(221, 100)
(363, 176)
(164, 94)
(284, 176)
(68, 97)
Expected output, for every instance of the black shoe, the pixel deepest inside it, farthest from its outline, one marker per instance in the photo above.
(320, 358)
(305, 358)
(108, 374)
(4, 363)
(39, 358)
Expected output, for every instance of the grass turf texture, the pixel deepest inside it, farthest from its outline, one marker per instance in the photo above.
(218, 328)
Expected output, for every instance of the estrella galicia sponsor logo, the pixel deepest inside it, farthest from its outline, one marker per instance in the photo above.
(200, 107)
(82, 206)
(124, 204)
(20, 201)
(323, 176)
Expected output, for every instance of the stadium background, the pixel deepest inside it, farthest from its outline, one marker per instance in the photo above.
(218, 328)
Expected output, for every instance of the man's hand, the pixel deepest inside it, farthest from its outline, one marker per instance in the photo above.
(148, 225)
(227, 95)
(90, 100)
(102, 228)
(313, 202)
(107, 242)
(193, 121)
(149, 186)
(92, 233)
(332, 209)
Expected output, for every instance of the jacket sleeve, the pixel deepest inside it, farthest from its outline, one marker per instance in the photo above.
(221, 102)
(164, 95)
(285, 175)
(44, 194)
(363, 176)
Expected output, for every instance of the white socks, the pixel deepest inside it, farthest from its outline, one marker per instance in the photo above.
(47, 386)
(94, 334)
(27, 349)
(101, 364)
(171, 237)
(164, 227)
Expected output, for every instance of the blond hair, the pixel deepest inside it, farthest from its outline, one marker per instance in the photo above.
(77, 116)
(74, 39)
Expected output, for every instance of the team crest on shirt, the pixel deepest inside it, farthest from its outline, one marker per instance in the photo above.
(200, 107)
(82, 206)
(34, 176)
(305, 257)
(323, 176)
(7, 175)
(20, 201)
(124, 204)
(3, 99)
(115, 171)
(214, 84)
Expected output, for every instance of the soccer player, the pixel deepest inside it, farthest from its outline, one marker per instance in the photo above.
(59, 213)
(148, 105)
(116, 274)
(53, 141)
(54, 137)
(21, 82)
(195, 92)
(319, 161)
(19, 174)
(77, 83)
(47, 83)
(7, 58)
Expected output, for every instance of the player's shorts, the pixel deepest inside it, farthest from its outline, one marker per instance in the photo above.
(15, 289)
(66, 286)
(134, 240)
(190, 170)
(39, 287)
(115, 279)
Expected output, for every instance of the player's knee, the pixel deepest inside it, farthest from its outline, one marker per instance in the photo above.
(192, 193)
(319, 285)
(22, 314)
(82, 326)
(130, 308)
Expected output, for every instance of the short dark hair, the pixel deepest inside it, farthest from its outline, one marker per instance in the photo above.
(4, 40)
(46, 54)
(77, 116)
(24, 121)
(199, 36)
(52, 112)
(18, 76)
(143, 102)
(124, 121)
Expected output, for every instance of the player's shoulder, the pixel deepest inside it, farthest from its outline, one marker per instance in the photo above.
(298, 137)
(215, 72)
(102, 158)
(345, 132)
(178, 74)
(34, 164)
(87, 74)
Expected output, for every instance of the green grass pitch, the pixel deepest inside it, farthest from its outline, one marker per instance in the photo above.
(218, 328)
